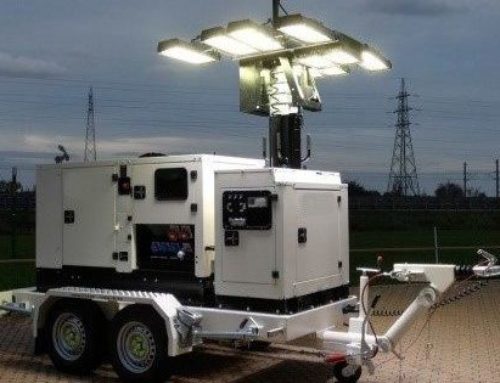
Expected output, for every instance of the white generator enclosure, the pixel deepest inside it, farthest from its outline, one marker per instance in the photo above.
(214, 231)
(145, 223)
(282, 236)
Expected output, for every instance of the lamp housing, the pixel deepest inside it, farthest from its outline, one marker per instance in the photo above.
(304, 29)
(255, 35)
(219, 39)
(192, 53)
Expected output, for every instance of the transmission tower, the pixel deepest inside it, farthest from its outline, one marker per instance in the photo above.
(403, 178)
(90, 147)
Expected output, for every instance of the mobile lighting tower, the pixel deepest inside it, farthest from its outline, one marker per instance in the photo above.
(159, 253)
(279, 63)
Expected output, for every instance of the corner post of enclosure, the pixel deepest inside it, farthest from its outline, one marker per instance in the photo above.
(276, 10)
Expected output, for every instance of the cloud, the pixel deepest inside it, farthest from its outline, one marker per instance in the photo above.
(107, 147)
(19, 66)
(417, 7)
(36, 148)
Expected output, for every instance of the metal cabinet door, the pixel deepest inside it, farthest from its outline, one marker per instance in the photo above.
(89, 196)
(253, 259)
(318, 212)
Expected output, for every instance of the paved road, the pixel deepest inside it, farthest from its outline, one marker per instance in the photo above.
(461, 344)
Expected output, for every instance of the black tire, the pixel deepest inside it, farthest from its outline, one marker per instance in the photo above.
(343, 375)
(74, 336)
(140, 327)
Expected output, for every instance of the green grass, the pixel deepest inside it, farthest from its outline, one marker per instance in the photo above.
(22, 275)
(24, 246)
(16, 275)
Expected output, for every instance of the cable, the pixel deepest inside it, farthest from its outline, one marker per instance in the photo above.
(363, 292)
(387, 313)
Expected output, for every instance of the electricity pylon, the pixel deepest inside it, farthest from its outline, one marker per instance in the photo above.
(403, 178)
(90, 147)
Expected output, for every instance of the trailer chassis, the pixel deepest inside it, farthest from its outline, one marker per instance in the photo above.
(185, 327)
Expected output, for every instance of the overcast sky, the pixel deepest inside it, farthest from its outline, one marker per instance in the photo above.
(51, 51)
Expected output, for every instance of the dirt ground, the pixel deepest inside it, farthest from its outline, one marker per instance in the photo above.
(461, 343)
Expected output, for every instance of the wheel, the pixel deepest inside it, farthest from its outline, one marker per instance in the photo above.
(74, 332)
(139, 345)
(346, 373)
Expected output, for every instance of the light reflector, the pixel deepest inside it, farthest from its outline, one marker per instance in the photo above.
(218, 39)
(316, 73)
(334, 71)
(342, 56)
(373, 62)
(305, 33)
(188, 52)
(254, 35)
(304, 29)
(315, 61)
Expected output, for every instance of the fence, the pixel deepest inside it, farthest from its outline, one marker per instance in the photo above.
(396, 233)
(422, 203)
(24, 200)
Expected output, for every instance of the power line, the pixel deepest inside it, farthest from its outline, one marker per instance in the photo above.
(161, 87)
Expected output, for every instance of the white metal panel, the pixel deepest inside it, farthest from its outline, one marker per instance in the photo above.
(318, 213)
(212, 164)
(306, 199)
(152, 211)
(237, 161)
(200, 192)
(49, 218)
(253, 260)
(124, 228)
(344, 234)
(285, 176)
(275, 327)
(90, 193)
(248, 267)
(93, 196)
(252, 290)
(300, 177)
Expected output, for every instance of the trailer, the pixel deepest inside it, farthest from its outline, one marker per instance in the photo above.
(142, 332)
(159, 253)
(141, 260)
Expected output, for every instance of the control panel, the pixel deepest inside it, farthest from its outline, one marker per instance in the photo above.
(165, 247)
(247, 210)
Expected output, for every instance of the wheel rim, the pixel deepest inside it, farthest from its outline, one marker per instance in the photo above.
(349, 371)
(136, 347)
(68, 336)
